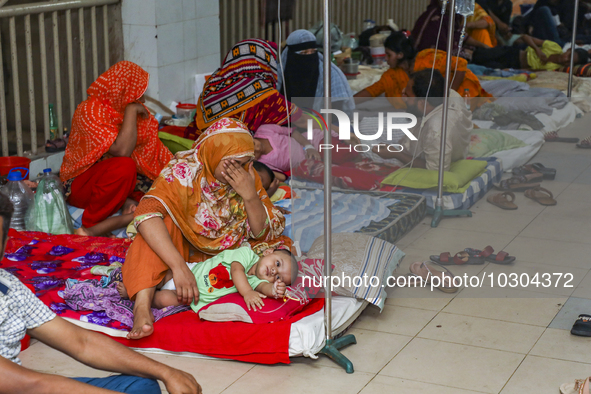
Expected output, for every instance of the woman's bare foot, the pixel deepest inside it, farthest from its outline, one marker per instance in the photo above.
(129, 206)
(122, 290)
(143, 323)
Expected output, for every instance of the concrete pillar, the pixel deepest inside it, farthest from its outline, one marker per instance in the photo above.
(173, 40)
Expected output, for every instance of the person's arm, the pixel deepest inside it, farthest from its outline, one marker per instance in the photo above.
(475, 43)
(156, 235)
(479, 24)
(267, 289)
(501, 26)
(127, 138)
(279, 175)
(252, 297)
(536, 44)
(458, 80)
(243, 183)
(97, 351)
(363, 96)
(311, 153)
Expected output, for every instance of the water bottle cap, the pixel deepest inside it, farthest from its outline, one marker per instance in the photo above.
(14, 175)
(47, 170)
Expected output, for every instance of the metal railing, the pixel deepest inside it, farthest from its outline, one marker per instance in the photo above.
(241, 19)
(55, 18)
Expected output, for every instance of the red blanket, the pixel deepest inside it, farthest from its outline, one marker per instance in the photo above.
(45, 262)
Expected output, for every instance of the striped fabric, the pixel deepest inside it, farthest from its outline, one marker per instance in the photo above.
(477, 189)
(350, 213)
(580, 70)
(355, 256)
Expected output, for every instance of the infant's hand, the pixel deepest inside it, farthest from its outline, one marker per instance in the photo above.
(254, 299)
(280, 288)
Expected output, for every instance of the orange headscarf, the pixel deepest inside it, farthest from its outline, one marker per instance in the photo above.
(97, 121)
(210, 214)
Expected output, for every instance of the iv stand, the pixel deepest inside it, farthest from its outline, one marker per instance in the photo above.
(572, 51)
(332, 346)
(438, 213)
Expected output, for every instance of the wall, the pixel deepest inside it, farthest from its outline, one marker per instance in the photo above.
(173, 40)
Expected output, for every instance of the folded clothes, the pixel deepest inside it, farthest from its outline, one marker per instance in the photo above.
(505, 118)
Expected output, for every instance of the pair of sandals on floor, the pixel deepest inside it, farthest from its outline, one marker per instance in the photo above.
(425, 271)
(526, 179)
(552, 136)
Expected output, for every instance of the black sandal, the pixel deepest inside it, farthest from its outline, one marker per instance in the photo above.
(582, 326)
(57, 145)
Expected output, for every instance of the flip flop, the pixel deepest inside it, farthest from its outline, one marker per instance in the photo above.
(580, 386)
(502, 201)
(425, 273)
(541, 196)
(582, 326)
(465, 257)
(553, 137)
(547, 173)
(56, 145)
(584, 144)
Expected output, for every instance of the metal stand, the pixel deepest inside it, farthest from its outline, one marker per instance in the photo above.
(572, 51)
(438, 212)
(331, 349)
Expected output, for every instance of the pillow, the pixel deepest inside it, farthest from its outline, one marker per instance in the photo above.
(233, 308)
(580, 70)
(175, 143)
(457, 180)
(356, 255)
(484, 143)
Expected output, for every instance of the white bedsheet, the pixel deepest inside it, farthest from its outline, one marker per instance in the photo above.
(517, 157)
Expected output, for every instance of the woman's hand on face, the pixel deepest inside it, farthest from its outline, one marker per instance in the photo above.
(186, 286)
(241, 180)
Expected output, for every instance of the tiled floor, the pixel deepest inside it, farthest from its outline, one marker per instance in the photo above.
(489, 340)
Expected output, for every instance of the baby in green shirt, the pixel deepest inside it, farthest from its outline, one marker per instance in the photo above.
(239, 270)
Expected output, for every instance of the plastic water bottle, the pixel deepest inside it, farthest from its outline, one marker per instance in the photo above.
(465, 7)
(20, 195)
(49, 213)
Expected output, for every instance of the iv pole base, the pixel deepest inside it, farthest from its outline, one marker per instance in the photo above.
(331, 350)
(439, 213)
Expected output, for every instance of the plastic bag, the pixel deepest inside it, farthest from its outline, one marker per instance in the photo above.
(49, 212)
(336, 36)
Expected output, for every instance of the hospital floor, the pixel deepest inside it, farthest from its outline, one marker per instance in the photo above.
(487, 340)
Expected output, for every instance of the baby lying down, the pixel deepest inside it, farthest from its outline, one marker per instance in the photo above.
(240, 270)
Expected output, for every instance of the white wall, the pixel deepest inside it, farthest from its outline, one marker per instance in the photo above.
(173, 40)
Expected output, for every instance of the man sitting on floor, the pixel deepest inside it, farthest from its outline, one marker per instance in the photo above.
(21, 312)
(426, 150)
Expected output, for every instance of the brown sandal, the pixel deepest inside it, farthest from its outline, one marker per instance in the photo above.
(541, 195)
(516, 184)
(502, 200)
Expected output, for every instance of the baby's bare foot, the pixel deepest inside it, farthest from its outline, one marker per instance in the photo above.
(122, 290)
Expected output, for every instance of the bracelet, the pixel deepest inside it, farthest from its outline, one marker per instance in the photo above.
(309, 146)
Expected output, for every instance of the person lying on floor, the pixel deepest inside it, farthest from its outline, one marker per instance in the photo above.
(22, 313)
(403, 61)
(426, 149)
(528, 53)
(232, 271)
(113, 150)
(206, 200)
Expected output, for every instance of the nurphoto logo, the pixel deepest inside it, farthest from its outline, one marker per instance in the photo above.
(393, 120)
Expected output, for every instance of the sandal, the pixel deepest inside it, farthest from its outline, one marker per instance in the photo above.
(518, 183)
(425, 273)
(585, 144)
(502, 201)
(467, 256)
(501, 258)
(580, 386)
(541, 196)
(553, 137)
(56, 145)
(547, 173)
(582, 326)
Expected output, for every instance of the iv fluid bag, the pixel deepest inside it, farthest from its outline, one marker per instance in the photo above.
(465, 7)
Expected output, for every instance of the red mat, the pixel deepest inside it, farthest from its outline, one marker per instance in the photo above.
(45, 262)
